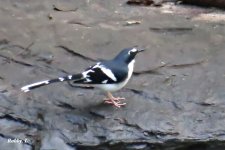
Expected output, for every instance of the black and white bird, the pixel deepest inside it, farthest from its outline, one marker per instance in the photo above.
(108, 75)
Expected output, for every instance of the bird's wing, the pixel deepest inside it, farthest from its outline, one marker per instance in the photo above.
(102, 73)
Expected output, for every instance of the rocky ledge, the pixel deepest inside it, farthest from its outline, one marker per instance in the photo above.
(175, 99)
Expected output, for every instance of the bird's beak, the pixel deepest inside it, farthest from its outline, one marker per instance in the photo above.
(141, 50)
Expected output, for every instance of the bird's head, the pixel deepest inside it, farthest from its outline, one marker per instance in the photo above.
(128, 54)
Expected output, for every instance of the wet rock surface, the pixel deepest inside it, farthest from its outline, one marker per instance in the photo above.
(175, 99)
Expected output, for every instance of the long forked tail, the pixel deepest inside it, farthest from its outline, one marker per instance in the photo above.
(35, 85)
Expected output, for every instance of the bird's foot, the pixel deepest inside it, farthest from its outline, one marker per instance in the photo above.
(116, 101)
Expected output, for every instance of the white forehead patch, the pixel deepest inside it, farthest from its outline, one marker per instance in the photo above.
(133, 50)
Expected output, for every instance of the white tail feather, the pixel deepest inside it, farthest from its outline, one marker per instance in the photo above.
(30, 86)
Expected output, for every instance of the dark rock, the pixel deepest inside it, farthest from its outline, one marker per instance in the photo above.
(175, 99)
(206, 3)
(140, 2)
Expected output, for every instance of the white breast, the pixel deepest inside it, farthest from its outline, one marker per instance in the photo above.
(118, 86)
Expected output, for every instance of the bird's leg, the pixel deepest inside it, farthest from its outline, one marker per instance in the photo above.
(114, 100)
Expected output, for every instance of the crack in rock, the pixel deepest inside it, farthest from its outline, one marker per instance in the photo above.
(75, 53)
(156, 133)
(97, 114)
(65, 105)
(150, 71)
(178, 66)
(17, 61)
(171, 29)
(143, 93)
(22, 121)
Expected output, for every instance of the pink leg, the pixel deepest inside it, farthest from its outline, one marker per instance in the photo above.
(116, 101)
